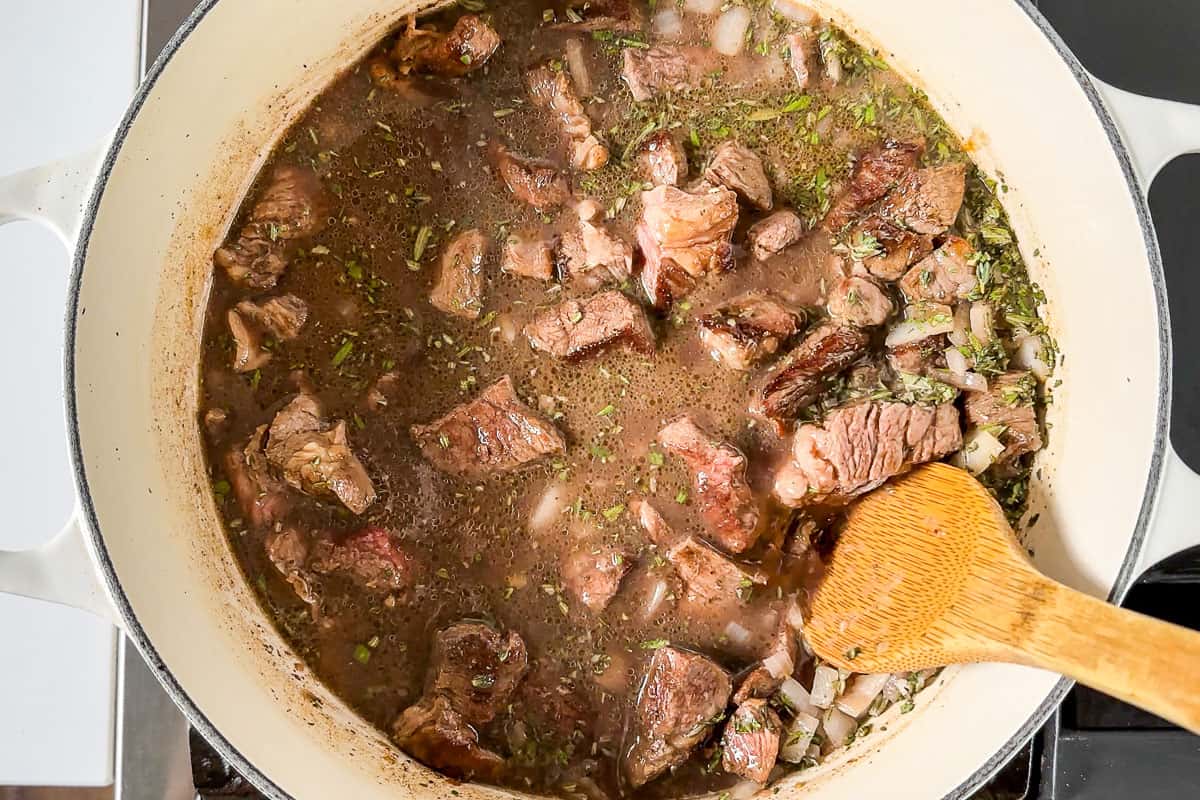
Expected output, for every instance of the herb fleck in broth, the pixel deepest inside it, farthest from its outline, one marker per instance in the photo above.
(404, 155)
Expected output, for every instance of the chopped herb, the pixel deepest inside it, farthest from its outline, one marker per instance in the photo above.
(853, 653)
(421, 242)
(221, 488)
(907, 706)
(444, 441)
(655, 644)
(681, 496)
(343, 352)
(362, 654)
(606, 411)
(655, 458)
(483, 681)
(612, 512)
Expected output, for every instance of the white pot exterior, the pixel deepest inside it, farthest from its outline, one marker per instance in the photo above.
(193, 142)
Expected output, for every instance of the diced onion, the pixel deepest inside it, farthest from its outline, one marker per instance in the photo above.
(779, 664)
(1029, 356)
(980, 450)
(832, 61)
(797, 736)
(795, 11)
(861, 691)
(956, 361)
(573, 54)
(657, 594)
(729, 31)
(795, 617)
(702, 6)
(962, 324)
(667, 24)
(914, 330)
(968, 381)
(981, 322)
(737, 633)
(549, 508)
(824, 688)
(838, 727)
(797, 697)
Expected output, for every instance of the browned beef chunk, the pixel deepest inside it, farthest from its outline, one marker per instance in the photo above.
(287, 548)
(249, 353)
(529, 255)
(279, 317)
(748, 329)
(858, 447)
(777, 663)
(605, 15)
(682, 697)
(315, 457)
(802, 55)
(573, 328)
(750, 743)
(927, 200)
(662, 159)
(593, 575)
(803, 375)
(718, 472)
(890, 248)
(773, 233)
(713, 581)
(262, 497)
(684, 236)
(465, 48)
(943, 276)
(477, 668)
(495, 432)
(459, 286)
(531, 180)
(859, 301)
(664, 68)
(914, 357)
(554, 707)
(875, 174)
(552, 89)
(1008, 402)
(739, 168)
(437, 735)
(291, 206)
(370, 556)
(594, 255)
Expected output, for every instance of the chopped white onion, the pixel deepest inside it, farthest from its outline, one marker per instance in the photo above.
(956, 362)
(980, 450)
(667, 24)
(729, 31)
(832, 60)
(838, 727)
(968, 381)
(702, 6)
(549, 508)
(795, 617)
(914, 330)
(797, 697)
(1029, 356)
(982, 325)
(962, 324)
(795, 11)
(797, 736)
(861, 691)
(896, 687)
(573, 54)
(657, 594)
(824, 688)
(779, 664)
(738, 634)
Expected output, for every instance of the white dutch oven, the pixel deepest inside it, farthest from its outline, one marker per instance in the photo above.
(146, 547)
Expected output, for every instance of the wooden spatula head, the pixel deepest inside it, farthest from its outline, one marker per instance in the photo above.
(909, 581)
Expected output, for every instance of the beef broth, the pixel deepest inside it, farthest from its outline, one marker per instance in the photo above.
(475, 282)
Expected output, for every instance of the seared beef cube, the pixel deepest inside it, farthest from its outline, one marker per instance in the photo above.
(662, 159)
(718, 472)
(249, 354)
(915, 357)
(438, 736)
(291, 206)
(712, 579)
(287, 548)
(552, 89)
(750, 743)
(594, 256)
(859, 301)
(927, 200)
(804, 374)
(802, 55)
(573, 328)
(858, 447)
(875, 174)
(262, 497)
(943, 276)
(664, 68)
(466, 48)
(459, 287)
(740, 169)
(280, 317)
(477, 669)
(315, 457)
(748, 329)
(495, 432)
(593, 575)
(531, 180)
(553, 706)
(773, 233)
(370, 556)
(528, 255)
(1008, 402)
(682, 697)
(895, 248)
(684, 236)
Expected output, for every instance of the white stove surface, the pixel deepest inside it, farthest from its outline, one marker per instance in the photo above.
(69, 67)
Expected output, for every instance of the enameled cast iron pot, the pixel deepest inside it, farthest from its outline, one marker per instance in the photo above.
(143, 214)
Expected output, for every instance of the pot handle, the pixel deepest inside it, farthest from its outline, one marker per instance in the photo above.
(1157, 131)
(62, 570)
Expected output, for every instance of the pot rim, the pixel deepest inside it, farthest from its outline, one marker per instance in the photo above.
(263, 783)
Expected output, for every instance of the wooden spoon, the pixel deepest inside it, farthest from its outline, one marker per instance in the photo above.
(927, 572)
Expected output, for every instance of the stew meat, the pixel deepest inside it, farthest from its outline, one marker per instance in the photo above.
(549, 346)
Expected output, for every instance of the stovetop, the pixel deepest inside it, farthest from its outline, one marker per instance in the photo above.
(1094, 748)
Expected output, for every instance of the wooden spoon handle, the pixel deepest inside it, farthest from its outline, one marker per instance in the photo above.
(1146, 662)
